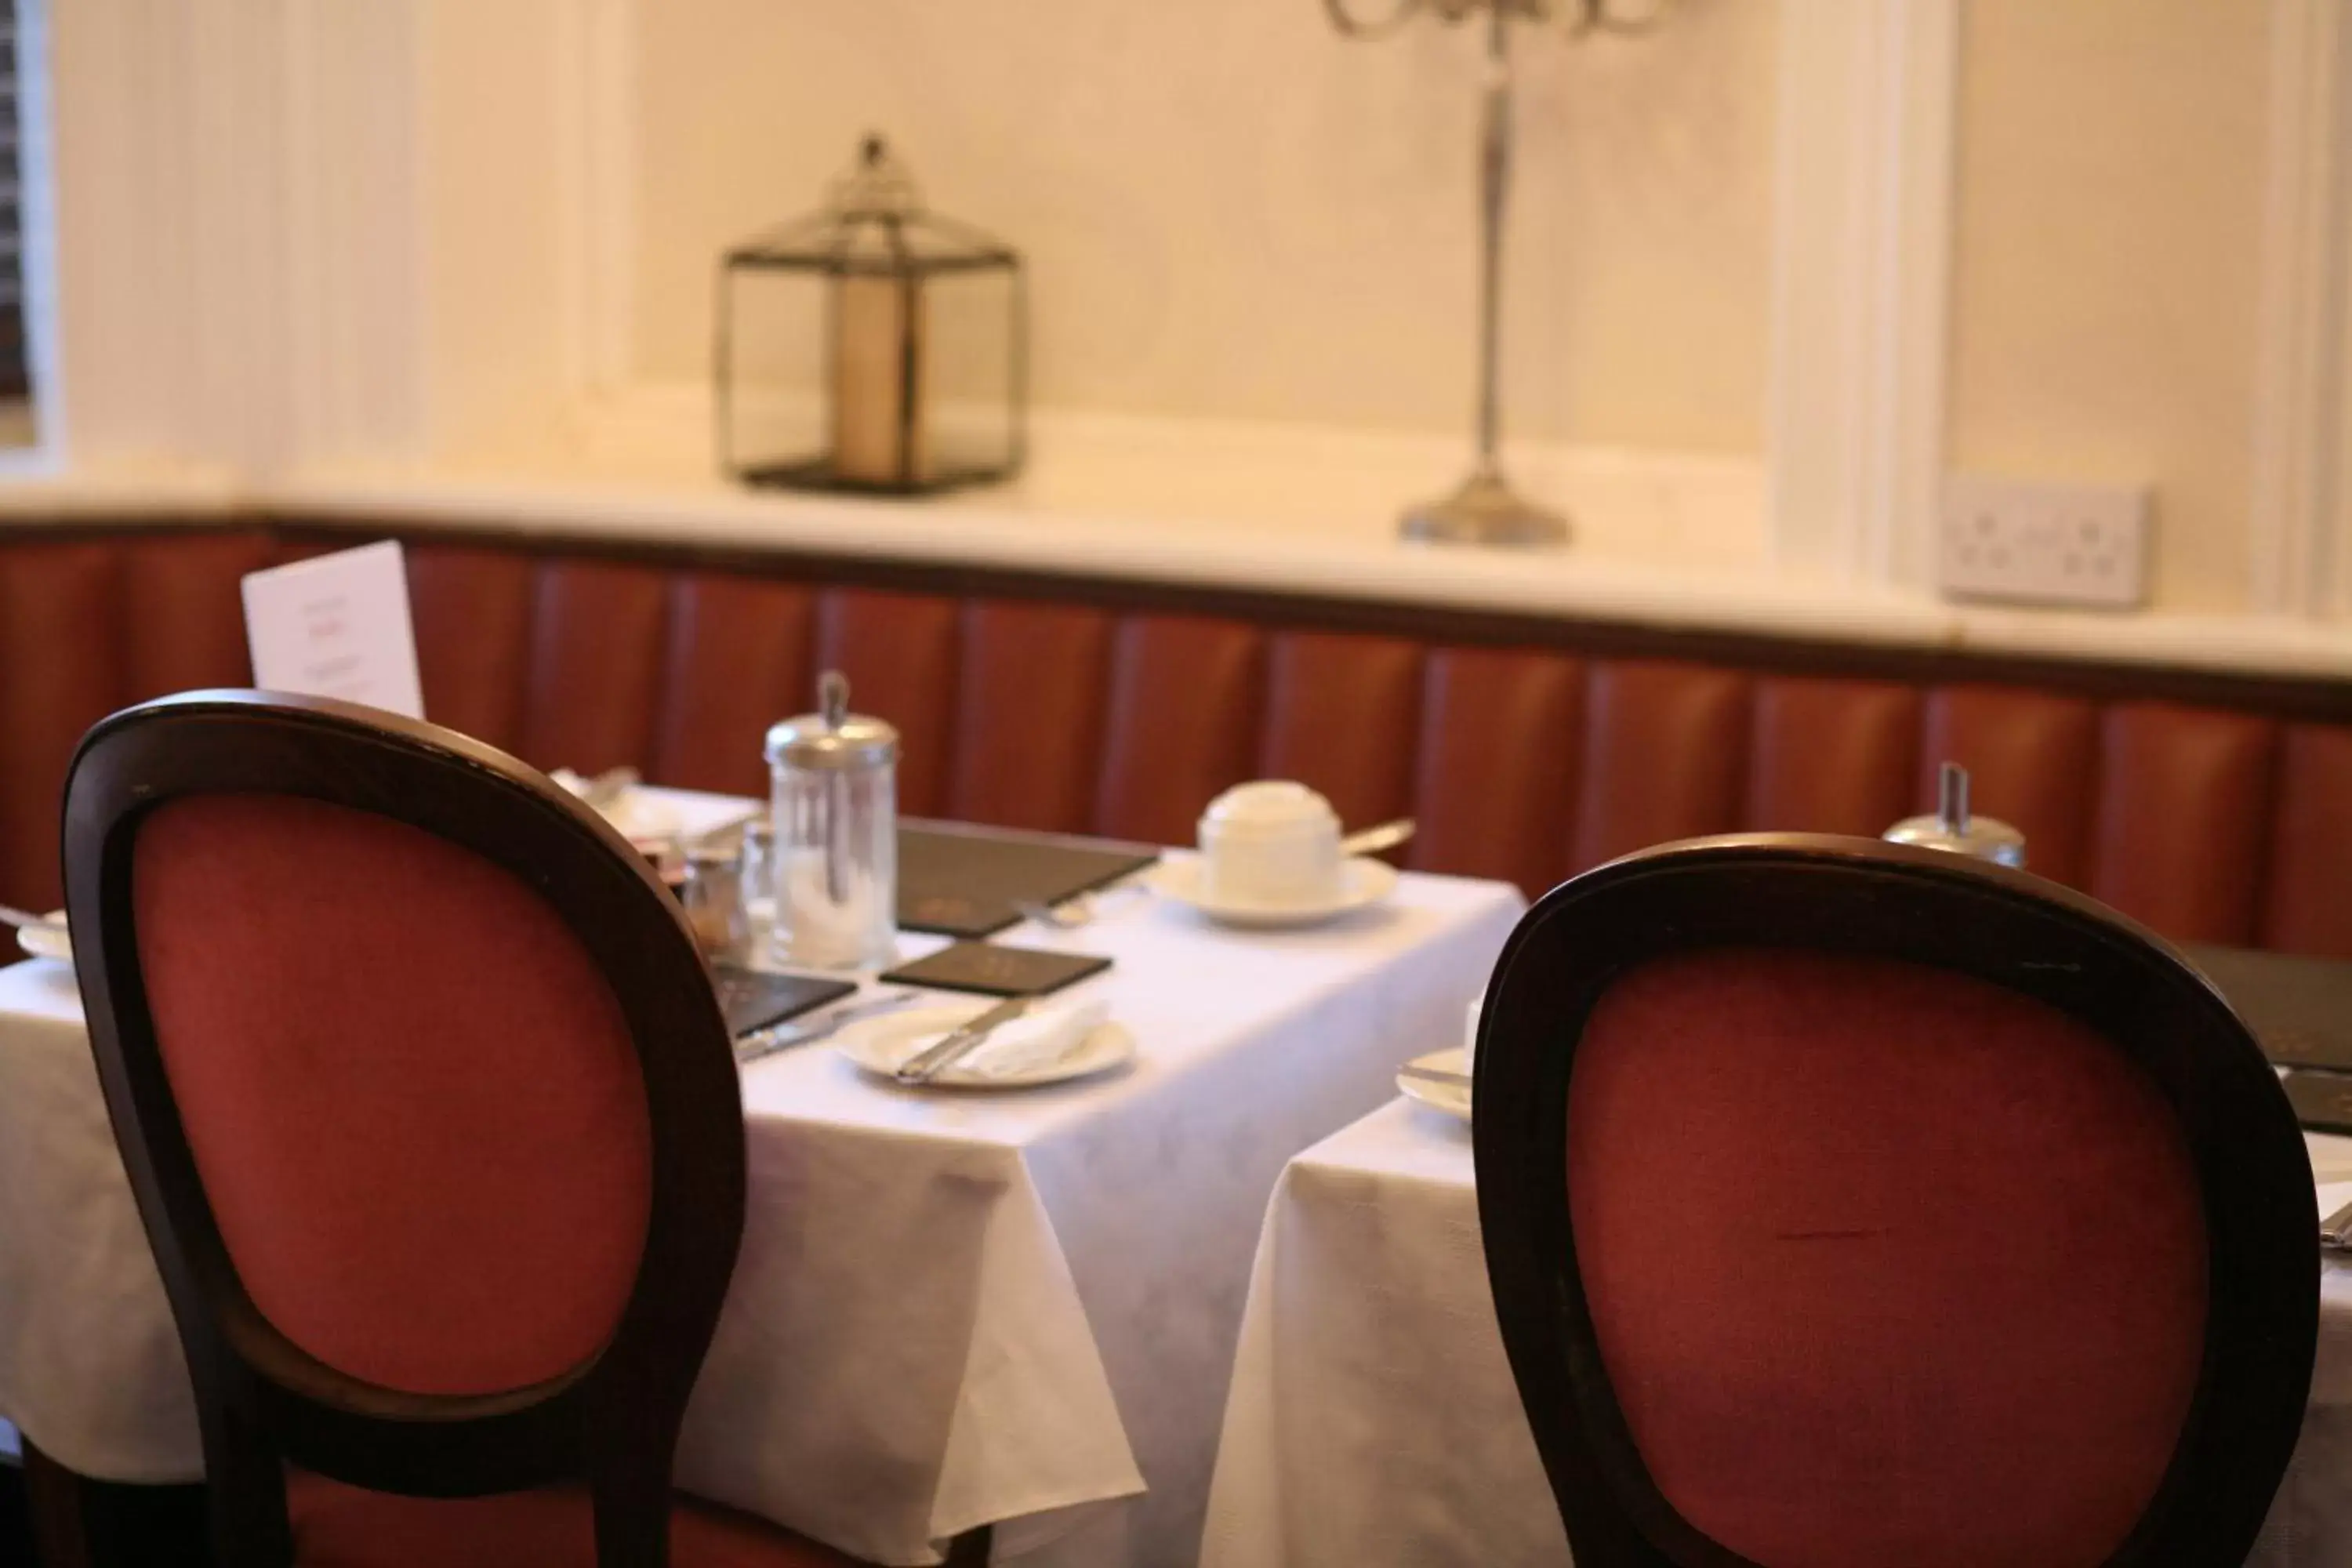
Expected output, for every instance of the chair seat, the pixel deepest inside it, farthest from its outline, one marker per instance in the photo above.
(339, 1526)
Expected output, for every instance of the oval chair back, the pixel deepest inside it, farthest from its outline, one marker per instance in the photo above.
(425, 1099)
(1849, 1206)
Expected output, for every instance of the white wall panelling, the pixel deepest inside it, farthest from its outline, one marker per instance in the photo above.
(289, 231)
(597, 190)
(297, 230)
(1861, 295)
(36, 159)
(232, 227)
(491, 220)
(352, 305)
(2302, 505)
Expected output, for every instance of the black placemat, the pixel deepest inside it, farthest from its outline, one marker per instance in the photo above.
(994, 970)
(2299, 1008)
(753, 999)
(959, 881)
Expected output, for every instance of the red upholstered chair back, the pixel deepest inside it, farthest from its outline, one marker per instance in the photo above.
(425, 1099)
(1849, 1206)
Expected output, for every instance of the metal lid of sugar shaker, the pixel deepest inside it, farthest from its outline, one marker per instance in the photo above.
(833, 738)
(1952, 828)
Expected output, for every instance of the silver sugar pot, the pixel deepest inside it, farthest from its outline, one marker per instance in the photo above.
(1954, 828)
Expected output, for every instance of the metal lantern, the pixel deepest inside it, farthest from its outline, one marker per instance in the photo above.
(871, 346)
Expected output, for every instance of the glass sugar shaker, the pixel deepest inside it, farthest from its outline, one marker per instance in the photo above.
(832, 795)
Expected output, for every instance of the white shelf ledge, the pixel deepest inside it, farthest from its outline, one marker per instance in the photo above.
(1362, 564)
(1663, 544)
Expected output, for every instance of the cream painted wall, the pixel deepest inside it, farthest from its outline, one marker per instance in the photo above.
(1231, 213)
(489, 219)
(2106, 287)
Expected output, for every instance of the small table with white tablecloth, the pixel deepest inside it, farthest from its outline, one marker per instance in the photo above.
(1373, 1423)
(951, 1309)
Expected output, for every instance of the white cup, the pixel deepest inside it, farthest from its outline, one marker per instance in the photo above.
(1273, 843)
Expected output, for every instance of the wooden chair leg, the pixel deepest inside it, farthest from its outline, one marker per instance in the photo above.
(971, 1549)
(53, 1495)
(78, 1523)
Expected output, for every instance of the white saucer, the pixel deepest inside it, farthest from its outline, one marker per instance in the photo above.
(1362, 883)
(880, 1044)
(47, 940)
(1453, 1101)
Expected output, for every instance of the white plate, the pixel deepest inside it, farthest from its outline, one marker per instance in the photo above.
(47, 940)
(878, 1045)
(1362, 883)
(1446, 1097)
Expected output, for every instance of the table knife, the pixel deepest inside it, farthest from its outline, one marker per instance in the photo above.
(2335, 1230)
(932, 1060)
(1435, 1075)
(770, 1038)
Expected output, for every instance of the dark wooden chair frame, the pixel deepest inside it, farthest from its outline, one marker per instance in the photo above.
(610, 1423)
(2008, 928)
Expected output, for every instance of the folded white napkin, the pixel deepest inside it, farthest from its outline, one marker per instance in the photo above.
(635, 816)
(1039, 1038)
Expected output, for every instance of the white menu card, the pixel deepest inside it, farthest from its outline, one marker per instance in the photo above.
(336, 626)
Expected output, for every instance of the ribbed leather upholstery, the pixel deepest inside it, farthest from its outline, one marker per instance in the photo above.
(1501, 755)
(1525, 764)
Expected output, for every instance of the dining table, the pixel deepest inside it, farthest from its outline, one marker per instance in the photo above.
(1372, 1421)
(951, 1307)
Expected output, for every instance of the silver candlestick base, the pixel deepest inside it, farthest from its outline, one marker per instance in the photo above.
(1484, 511)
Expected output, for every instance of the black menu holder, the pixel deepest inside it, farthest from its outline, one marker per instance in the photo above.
(965, 882)
(2299, 1008)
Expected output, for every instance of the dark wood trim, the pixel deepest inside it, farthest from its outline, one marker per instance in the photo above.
(78, 1523)
(54, 1495)
(2007, 928)
(612, 1422)
(971, 1549)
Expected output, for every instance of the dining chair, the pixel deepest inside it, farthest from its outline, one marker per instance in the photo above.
(1849, 1206)
(434, 1127)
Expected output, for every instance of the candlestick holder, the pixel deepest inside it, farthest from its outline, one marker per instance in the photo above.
(1485, 509)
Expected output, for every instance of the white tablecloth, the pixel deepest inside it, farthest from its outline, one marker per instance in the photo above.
(1372, 1420)
(951, 1309)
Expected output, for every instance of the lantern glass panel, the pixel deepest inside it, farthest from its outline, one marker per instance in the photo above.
(770, 411)
(872, 346)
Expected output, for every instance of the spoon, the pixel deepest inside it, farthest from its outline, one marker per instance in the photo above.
(1372, 841)
(1079, 909)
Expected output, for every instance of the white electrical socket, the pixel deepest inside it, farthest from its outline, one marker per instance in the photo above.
(2044, 545)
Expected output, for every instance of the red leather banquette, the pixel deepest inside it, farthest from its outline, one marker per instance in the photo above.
(2212, 807)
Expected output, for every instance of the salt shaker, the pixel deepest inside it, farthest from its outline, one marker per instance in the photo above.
(713, 896)
(832, 795)
(1953, 828)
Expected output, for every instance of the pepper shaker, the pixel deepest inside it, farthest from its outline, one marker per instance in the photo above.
(832, 798)
(713, 896)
